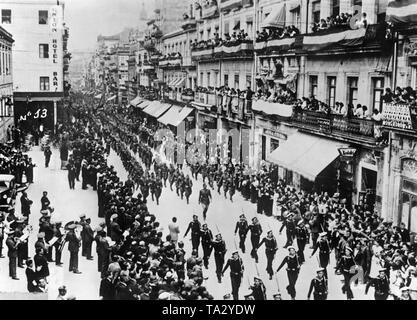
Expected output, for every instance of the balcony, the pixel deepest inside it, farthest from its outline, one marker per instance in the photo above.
(242, 49)
(227, 5)
(399, 117)
(354, 130)
(189, 23)
(173, 60)
(210, 10)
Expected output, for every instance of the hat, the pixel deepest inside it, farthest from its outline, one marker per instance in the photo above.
(242, 216)
(382, 270)
(227, 296)
(290, 214)
(404, 289)
(21, 220)
(62, 288)
(234, 252)
(41, 235)
(256, 278)
(219, 234)
(254, 218)
(44, 211)
(72, 226)
(195, 216)
(290, 247)
(320, 270)
(323, 234)
(300, 222)
(169, 275)
(276, 295)
(82, 215)
(114, 216)
(99, 229)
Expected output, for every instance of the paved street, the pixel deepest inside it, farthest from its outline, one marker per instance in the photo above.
(222, 216)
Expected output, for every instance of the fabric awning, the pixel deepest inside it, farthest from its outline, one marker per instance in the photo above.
(401, 11)
(152, 107)
(276, 19)
(237, 26)
(111, 98)
(185, 112)
(171, 83)
(329, 38)
(144, 104)
(180, 83)
(170, 115)
(136, 101)
(294, 5)
(306, 154)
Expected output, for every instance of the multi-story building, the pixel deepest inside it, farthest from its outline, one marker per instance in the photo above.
(6, 83)
(38, 70)
(122, 53)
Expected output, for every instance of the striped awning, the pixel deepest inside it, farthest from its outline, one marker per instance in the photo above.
(136, 101)
(401, 11)
(276, 19)
(170, 115)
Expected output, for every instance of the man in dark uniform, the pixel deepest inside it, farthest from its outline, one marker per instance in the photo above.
(158, 189)
(74, 243)
(324, 252)
(87, 238)
(256, 231)
(45, 203)
(25, 204)
(2, 231)
(206, 243)
(381, 285)
(204, 198)
(236, 273)
(293, 269)
(195, 228)
(47, 153)
(289, 224)
(107, 289)
(301, 232)
(271, 248)
(58, 243)
(243, 228)
(71, 175)
(116, 232)
(258, 289)
(219, 247)
(319, 285)
(12, 244)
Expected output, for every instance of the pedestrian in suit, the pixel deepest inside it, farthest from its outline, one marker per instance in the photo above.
(204, 198)
(71, 175)
(116, 233)
(87, 238)
(206, 243)
(12, 244)
(74, 243)
(45, 203)
(107, 287)
(25, 204)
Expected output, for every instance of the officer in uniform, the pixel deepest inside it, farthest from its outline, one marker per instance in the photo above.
(255, 236)
(206, 243)
(236, 273)
(319, 285)
(204, 198)
(381, 285)
(301, 232)
(195, 228)
(271, 247)
(12, 244)
(243, 228)
(219, 247)
(293, 269)
(324, 252)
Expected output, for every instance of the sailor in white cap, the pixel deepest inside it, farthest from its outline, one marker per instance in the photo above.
(302, 235)
(318, 286)
(324, 251)
(293, 268)
(255, 236)
(289, 225)
(271, 248)
(236, 273)
(346, 264)
(219, 247)
(381, 285)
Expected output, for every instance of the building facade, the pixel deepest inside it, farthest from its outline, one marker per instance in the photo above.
(40, 35)
(6, 83)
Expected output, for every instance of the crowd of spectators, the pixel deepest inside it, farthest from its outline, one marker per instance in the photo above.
(401, 95)
(279, 94)
(229, 40)
(342, 21)
(280, 33)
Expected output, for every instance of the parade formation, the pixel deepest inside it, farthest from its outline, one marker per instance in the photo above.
(238, 153)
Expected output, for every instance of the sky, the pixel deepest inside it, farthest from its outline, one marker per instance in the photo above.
(87, 19)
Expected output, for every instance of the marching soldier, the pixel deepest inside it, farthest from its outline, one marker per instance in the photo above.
(188, 188)
(345, 265)
(256, 231)
(324, 251)
(289, 224)
(271, 247)
(236, 273)
(219, 247)
(158, 189)
(195, 228)
(381, 285)
(204, 198)
(293, 269)
(47, 153)
(74, 243)
(319, 285)
(301, 232)
(243, 228)
(206, 243)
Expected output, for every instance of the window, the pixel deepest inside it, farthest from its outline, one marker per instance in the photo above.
(44, 81)
(378, 91)
(313, 86)
(295, 17)
(201, 79)
(248, 81)
(216, 79)
(43, 17)
(226, 80)
(236, 82)
(335, 9)
(226, 27)
(6, 16)
(316, 11)
(353, 90)
(208, 79)
(331, 91)
(44, 51)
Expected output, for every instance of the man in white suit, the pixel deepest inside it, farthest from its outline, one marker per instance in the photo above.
(174, 230)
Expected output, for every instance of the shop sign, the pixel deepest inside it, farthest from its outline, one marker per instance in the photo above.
(347, 154)
(275, 134)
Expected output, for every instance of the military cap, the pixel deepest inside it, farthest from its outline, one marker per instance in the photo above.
(300, 222)
(234, 252)
(382, 270)
(62, 288)
(254, 218)
(242, 216)
(82, 215)
(323, 234)
(320, 270)
(99, 229)
(195, 216)
(256, 278)
(349, 249)
(290, 247)
(44, 211)
(114, 216)
(227, 296)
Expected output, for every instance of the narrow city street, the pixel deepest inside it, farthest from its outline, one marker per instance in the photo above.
(222, 217)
